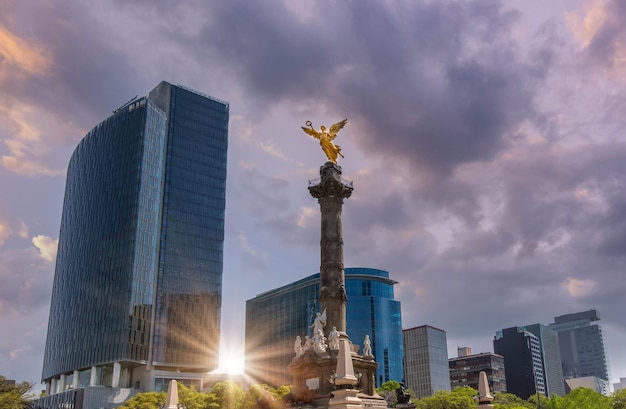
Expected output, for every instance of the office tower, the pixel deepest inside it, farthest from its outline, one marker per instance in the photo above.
(465, 369)
(463, 351)
(582, 345)
(523, 363)
(426, 368)
(137, 288)
(275, 318)
(551, 358)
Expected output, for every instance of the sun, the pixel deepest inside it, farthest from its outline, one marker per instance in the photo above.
(231, 361)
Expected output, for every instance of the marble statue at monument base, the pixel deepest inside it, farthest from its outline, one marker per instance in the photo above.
(314, 378)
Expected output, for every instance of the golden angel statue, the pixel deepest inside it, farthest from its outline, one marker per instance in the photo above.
(326, 138)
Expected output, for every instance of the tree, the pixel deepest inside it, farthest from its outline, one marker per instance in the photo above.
(145, 400)
(459, 398)
(619, 399)
(388, 391)
(581, 398)
(389, 386)
(505, 400)
(229, 395)
(545, 401)
(192, 399)
(15, 395)
(282, 391)
(264, 397)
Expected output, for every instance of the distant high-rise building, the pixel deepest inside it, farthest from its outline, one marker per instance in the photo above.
(465, 369)
(582, 345)
(275, 318)
(619, 385)
(551, 358)
(137, 289)
(463, 351)
(426, 368)
(523, 361)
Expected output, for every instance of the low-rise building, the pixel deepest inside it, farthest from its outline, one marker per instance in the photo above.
(465, 370)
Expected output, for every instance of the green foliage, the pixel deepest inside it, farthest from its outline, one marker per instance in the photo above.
(224, 395)
(388, 391)
(145, 400)
(619, 399)
(192, 399)
(466, 391)
(580, 398)
(389, 386)
(264, 397)
(545, 401)
(282, 391)
(459, 398)
(228, 395)
(15, 396)
(509, 401)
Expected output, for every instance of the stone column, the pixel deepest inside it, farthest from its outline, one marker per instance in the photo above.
(93, 380)
(75, 379)
(53, 386)
(330, 192)
(115, 381)
(62, 383)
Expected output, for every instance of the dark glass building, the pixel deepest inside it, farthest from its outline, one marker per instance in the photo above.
(523, 362)
(137, 286)
(275, 318)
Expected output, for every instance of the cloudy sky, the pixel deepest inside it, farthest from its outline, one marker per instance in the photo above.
(485, 141)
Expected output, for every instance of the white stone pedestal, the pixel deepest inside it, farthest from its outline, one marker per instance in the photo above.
(345, 399)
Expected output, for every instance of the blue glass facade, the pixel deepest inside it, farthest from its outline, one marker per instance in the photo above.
(372, 311)
(276, 317)
(139, 263)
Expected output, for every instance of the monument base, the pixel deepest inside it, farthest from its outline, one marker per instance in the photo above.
(345, 399)
(377, 403)
(313, 379)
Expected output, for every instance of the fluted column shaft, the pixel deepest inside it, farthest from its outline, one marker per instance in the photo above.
(330, 193)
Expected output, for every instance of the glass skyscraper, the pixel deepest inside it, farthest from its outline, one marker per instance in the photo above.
(137, 286)
(276, 317)
(551, 358)
(582, 345)
(426, 360)
(523, 361)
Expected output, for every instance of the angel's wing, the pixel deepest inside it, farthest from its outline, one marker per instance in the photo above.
(335, 128)
(312, 132)
(323, 316)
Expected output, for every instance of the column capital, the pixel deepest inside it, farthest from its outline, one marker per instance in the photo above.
(330, 184)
